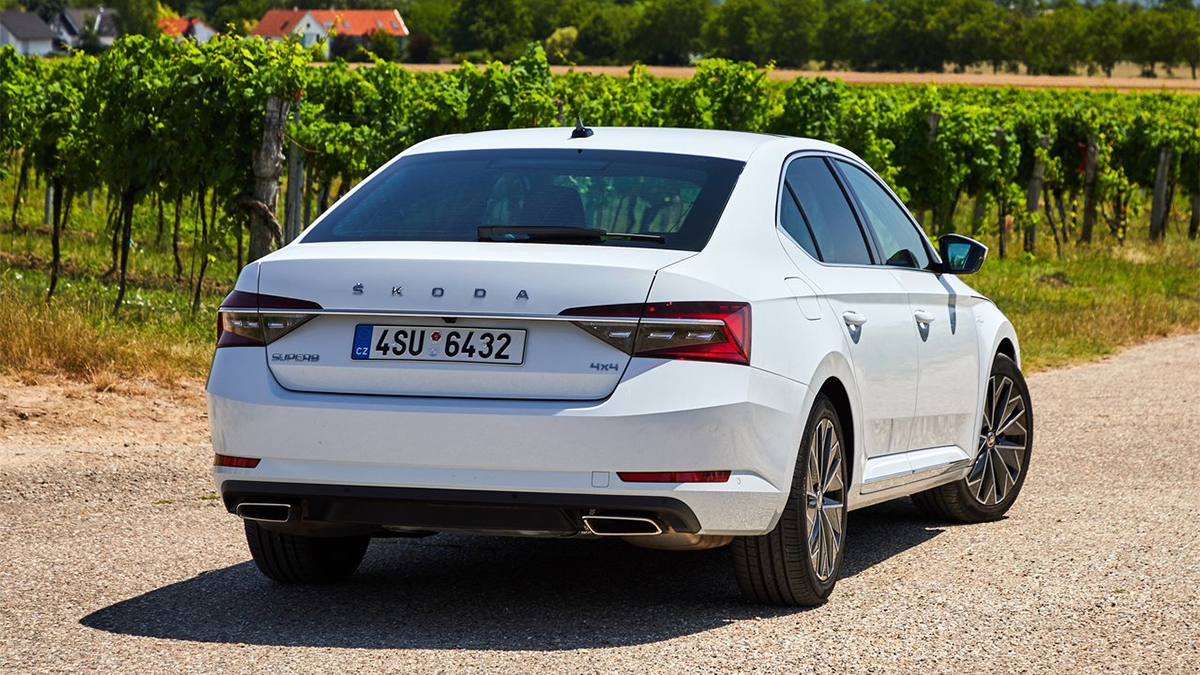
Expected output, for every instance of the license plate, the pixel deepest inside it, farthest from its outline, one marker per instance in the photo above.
(438, 343)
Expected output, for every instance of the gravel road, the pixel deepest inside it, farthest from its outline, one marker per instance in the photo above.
(115, 556)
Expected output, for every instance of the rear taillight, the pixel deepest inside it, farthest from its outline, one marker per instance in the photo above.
(675, 477)
(254, 320)
(699, 331)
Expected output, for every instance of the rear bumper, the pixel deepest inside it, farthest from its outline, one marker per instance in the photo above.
(664, 416)
(338, 507)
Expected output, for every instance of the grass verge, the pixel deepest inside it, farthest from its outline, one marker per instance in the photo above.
(1096, 301)
(155, 337)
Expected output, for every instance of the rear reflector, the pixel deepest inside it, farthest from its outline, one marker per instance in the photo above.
(254, 320)
(235, 462)
(675, 477)
(698, 331)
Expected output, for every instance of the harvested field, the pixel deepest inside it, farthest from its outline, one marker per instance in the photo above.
(1166, 84)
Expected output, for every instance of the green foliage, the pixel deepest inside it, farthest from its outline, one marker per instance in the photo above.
(722, 95)
(155, 117)
(742, 30)
(383, 45)
(179, 121)
(669, 32)
(137, 17)
(492, 27)
(560, 46)
(605, 36)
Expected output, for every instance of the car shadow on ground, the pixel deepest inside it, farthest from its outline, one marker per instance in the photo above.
(457, 592)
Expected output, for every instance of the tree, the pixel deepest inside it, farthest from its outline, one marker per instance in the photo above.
(46, 9)
(669, 30)
(433, 19)
(137, 17)
(972, 30)
(1105, 27)
(238, 17)
(1148, 40)
(911, 40)
(547, 16)
(796, 33)
(1191, 40)
(1056, 41)
(492, 26)
(852, 33)
(560, 46)
(1181, 39)
(742, 30)
(383, 45)
(605, 36)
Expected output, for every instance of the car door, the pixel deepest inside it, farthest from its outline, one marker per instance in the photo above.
(870, 304)
(943, 324)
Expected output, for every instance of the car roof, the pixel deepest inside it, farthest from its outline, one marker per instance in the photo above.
(738, 145)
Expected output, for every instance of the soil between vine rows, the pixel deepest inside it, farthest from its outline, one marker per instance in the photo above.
(114, 557)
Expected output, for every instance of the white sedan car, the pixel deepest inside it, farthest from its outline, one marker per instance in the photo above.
(682, 338)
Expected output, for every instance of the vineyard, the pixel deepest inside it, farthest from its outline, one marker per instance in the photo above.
(197, 133)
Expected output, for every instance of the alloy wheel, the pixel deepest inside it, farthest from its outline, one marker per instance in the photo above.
(825, 489)
(1003, 441)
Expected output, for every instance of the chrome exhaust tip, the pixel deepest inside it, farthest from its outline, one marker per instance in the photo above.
(266, 513)
(621, 526)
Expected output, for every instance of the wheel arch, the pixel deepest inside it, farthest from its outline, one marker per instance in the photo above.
(996, 336)
(835, 391)
(834, 377)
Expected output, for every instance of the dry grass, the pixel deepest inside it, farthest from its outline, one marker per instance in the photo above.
(36, 338)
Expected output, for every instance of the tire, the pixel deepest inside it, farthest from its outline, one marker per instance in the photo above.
(797, 563)
(1002, 456)
(296, 559)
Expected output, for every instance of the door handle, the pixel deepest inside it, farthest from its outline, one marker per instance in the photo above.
(853, 318)
(923, 317)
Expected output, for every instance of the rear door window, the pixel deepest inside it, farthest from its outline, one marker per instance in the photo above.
(824, 207)
(793, 222)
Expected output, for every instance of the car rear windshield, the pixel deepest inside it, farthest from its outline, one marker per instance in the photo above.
(448, 196)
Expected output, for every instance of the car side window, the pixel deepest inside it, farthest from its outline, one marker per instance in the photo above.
(823, 205)
(902, 244)
(794, 224)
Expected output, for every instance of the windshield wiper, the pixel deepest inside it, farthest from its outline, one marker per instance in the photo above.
(561, 235)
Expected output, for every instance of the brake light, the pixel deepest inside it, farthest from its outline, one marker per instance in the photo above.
(254, 320)
(699, 331)
(235, 462)
(675, 477)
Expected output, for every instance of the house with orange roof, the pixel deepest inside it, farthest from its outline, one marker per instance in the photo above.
(187, 28)
(310, 26)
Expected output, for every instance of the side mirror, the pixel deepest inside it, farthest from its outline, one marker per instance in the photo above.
(960, 255)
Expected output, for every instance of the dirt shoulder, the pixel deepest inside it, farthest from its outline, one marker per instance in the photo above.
(44, 418)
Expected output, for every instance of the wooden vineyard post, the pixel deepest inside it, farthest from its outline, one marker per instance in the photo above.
(1194, 224)
(268, 160)
(1160, 209)
(1089, 190)
(295, 186)
(1031, 199)
(979, 213)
